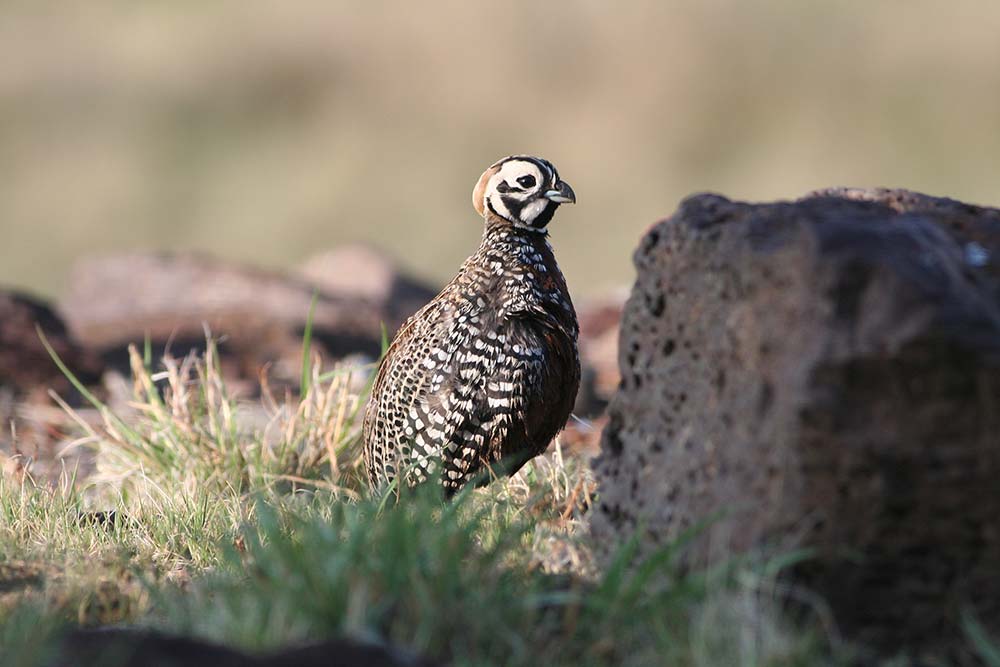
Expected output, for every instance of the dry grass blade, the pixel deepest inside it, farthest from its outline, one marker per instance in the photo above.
(186, 430)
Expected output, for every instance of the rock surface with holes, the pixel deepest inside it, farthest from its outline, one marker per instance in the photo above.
(824, 373)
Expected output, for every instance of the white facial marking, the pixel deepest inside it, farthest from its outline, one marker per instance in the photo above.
(496, 202)
(513, 170)
(509, 173)
(532, 210)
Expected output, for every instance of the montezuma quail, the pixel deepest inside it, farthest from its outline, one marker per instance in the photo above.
(485, 375)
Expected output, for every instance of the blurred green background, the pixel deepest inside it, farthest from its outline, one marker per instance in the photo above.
(267, 131)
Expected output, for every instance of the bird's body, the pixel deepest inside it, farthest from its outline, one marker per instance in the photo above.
(484, 375)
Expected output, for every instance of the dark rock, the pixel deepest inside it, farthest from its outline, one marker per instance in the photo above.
(260, 315)
(826, 374)
(25, 365)
(976, 229)
(115, 647)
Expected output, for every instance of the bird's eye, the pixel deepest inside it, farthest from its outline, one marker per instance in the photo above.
(526, 181)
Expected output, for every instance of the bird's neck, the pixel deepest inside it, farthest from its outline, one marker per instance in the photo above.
(508, 244)
(526, 258)
(501, 229)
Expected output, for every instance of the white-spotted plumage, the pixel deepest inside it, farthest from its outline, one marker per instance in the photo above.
(486, 374)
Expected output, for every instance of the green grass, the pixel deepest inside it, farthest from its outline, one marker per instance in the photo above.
(986, 647)
(204, 519)
(457, 581)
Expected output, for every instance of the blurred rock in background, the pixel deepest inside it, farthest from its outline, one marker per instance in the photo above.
(599, 318)
(259, 316)
(26, 368)
(361, 271)
(29, 420)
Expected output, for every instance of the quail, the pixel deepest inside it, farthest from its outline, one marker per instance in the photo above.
(483, 377)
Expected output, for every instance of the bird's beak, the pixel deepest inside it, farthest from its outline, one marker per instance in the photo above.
(561, 194)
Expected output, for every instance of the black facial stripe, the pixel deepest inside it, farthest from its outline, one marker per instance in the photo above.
(550, 170)
(514, 206)
(545, 217)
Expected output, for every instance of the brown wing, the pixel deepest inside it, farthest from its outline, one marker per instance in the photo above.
(526, 397)
(555, 384)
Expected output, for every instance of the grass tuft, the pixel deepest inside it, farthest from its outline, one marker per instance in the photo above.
(185, 431)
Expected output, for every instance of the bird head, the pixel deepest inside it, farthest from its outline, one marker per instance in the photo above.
(522, 190)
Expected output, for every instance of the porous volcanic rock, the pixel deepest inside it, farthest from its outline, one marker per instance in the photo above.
(25, 365)
(822, 373)
(117, 300)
